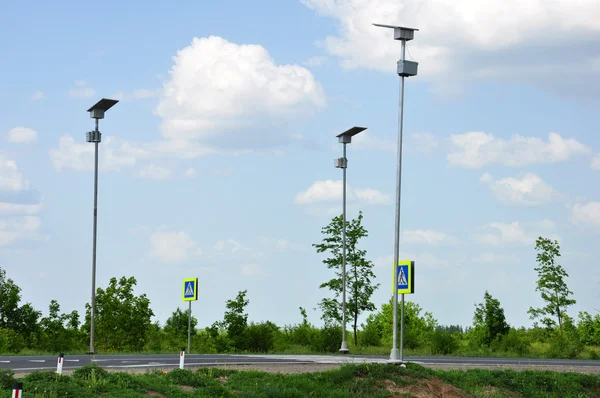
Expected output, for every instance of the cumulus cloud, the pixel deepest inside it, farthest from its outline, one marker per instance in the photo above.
(22, 135)
(37, 96)
(515, 233)
(528, 190)
(425, 260)
(330, 190)
(231, 96)
(426, 237)
(19, 206)
(596, 162)
(463, 39)
(478, 149)
(588, 214)
(154, 172)
(81, 90)
(173, 246)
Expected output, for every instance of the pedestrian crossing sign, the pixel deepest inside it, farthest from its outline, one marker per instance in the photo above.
(405, 272)
(190, 289)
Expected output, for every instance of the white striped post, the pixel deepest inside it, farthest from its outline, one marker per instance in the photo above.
(181, 358)
(59, 365)
(17, 390)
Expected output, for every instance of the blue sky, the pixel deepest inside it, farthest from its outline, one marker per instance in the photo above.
(218, 160)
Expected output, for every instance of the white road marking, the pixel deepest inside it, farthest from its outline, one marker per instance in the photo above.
(43, 360)
(4, 361)
(77, 360)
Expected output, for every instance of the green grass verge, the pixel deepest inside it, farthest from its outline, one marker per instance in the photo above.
(372, 380)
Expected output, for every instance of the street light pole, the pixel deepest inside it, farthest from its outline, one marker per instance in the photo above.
(404, 69)
(97, 112)
(342, 163)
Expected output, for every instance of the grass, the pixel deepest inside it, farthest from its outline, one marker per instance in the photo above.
(371, 380)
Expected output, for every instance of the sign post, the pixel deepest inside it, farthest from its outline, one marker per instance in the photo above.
(404, 274)
(190, 293)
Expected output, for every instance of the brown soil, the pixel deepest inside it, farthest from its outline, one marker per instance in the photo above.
(187, 388)
(154, 394)
(425, 388)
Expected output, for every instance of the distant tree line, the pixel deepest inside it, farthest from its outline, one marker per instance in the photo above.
(124, 320)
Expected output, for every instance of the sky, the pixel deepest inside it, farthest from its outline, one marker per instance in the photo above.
(218, 160)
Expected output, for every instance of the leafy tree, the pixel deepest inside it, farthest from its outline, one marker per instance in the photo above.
(417, 328)
(589, 328)
(360, 278)
(176, 326)
(59, 330)
(235, 322)
(551, 284)
(10, 295)
(489, 319)
(122, 319)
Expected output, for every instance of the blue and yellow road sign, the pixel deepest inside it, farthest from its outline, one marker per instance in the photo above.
(190, 289)
(405, 270)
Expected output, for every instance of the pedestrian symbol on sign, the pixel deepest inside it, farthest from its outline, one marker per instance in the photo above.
(402, 278)
(189, 290)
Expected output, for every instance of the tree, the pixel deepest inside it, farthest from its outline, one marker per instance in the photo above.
(489, 319)
(122, 319)
(10, 295)
(59, 330)
(235, 321)
(551, 284)
(177, 325)
(359, 271)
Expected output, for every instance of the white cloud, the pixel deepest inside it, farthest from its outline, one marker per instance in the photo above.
(37, 96)
(427, 237)
(372, 196)
(529, 190)
(154, 172)
(231, 97)
(478, 149)
(231, 245)
(330, 190)
(317, 61)
(588, 214)
(424, 260)
(281, 244)
(515, 233)
(367, 141)
(425, 142)
(173, 247)
(251, 269)
(81, 90)
(18, 206)
(11, 179)
(136, 94)
(191, 172)
(496, 259)
(462, 39)
(22, 135)
(596, 162)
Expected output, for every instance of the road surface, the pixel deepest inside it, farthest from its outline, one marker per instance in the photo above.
(32, 363)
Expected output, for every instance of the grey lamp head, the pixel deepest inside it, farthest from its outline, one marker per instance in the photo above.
(346, 136)
(97, 111)
(400, 32)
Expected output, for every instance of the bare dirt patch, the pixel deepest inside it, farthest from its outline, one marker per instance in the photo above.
(424, 388)
(187, 388)
(154, 394)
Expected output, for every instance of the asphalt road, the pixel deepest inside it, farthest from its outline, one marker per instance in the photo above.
(32, 363)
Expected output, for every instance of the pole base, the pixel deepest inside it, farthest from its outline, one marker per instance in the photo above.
(344, 349)
(91, 352)
(395, 359)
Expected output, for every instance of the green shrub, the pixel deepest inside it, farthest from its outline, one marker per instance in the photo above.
(443, 343)
(515, 342)
(565, 343)
(89, 373)
(261, 336)
(7, 378)
(328, 339)
(370, 335)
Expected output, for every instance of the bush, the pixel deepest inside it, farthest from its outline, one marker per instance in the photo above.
(443, 343)
(566, 342)
(369, 336)
(7, 378)
(91, 373)
(514, 342)
(261, 336)
(328, 339)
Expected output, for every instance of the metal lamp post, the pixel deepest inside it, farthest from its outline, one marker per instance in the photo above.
(342, 163)
(96, 112)
(404, 69)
